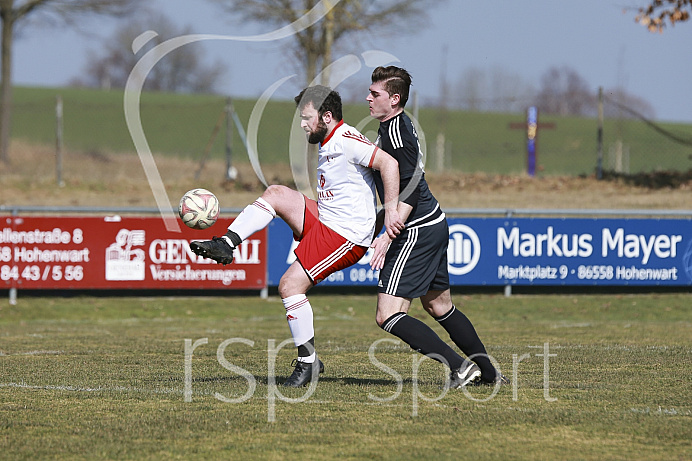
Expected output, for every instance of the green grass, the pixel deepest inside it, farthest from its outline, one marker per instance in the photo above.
(104, 378)
(182, 125)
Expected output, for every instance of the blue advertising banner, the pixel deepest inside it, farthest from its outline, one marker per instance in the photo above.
(570, 252)
(539, 252)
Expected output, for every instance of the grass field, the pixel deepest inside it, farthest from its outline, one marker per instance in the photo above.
(105, 378)
(82, 377)
(182, 125)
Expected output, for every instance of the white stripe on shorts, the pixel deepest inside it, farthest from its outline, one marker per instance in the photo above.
(413, 223)
(331, 259)
(398, 269)
(429, 223)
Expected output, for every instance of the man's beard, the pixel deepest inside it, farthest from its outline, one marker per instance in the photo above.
(319, 134)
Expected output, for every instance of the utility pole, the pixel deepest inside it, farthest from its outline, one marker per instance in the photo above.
(231, 172)
(58, 141)
(443, 115)
(599, 167)
(328, 42)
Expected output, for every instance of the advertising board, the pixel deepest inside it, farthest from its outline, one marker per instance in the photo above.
(112, 252)
(118, 252)
(570, 252)
(538, 251)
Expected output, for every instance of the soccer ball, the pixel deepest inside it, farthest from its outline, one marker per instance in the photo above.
(199, 209)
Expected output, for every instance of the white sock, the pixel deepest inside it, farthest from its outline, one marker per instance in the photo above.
(254, 217)
(309, 359)
(299, 316)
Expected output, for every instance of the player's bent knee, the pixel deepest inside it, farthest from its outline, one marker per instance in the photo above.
(294, 281)
(274, 189)
(286, 289)
(276, 193)
(287, 203)
(380, 319)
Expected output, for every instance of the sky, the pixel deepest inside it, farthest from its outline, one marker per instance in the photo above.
(597, 38)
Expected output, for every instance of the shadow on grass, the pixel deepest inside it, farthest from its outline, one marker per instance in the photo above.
(264, 380)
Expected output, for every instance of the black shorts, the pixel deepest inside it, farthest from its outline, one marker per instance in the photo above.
(416, 261)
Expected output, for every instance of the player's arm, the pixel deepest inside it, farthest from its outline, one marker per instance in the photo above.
(381, 244)
(404, 210)
(389, 171)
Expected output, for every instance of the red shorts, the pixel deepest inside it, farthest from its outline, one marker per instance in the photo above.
(322, 251)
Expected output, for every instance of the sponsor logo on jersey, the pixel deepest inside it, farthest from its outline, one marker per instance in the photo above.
(325, 195)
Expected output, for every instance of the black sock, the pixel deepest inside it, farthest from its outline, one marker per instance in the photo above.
(422, 339)
(463, 334)
(235, 238)
(307, 349)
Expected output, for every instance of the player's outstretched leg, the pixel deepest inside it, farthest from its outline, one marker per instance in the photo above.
(254, 217)
(424, 340)
(464, 335)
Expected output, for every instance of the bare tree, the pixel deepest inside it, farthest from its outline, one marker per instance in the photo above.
(14, 12)
(496, 90)
(471, 90)
(564, 92)
(626, 105)
(183, 70)
(313, 47)
(655, 16)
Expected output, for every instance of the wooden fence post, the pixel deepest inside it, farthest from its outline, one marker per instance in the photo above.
(58, 141)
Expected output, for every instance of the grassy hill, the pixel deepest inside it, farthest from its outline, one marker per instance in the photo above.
(182, 125)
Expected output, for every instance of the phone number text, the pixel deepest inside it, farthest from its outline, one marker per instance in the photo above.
(35, 273)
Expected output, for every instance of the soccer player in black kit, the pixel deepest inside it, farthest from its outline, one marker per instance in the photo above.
(414, 264)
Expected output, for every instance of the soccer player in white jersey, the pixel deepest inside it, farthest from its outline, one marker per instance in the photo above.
(414, 264)
(334, 232)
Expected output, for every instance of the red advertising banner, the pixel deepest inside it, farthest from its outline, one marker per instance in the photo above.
(119, 252)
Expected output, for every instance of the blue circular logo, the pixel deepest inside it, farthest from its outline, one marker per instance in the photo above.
(464, 249)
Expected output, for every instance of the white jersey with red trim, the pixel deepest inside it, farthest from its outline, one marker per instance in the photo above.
(345, 185)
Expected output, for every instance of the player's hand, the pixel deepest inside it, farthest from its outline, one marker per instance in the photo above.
(393, 223)
(380, 245)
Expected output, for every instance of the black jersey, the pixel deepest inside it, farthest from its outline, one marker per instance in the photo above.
(397, 136)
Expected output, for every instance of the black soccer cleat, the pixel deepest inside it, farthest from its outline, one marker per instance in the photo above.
(467, 374)
(500, 379)
(217, 249)
(304, 372)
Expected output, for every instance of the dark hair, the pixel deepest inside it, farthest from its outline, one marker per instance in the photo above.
(396, 81)
(323, 98)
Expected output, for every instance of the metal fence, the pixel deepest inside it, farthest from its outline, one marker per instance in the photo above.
(561, 145)
(625, 142)
(636, 144)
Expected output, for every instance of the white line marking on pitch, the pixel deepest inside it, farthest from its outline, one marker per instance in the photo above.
(96, 389)
(175, 391)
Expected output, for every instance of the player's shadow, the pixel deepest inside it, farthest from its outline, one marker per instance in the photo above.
(279, 379)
